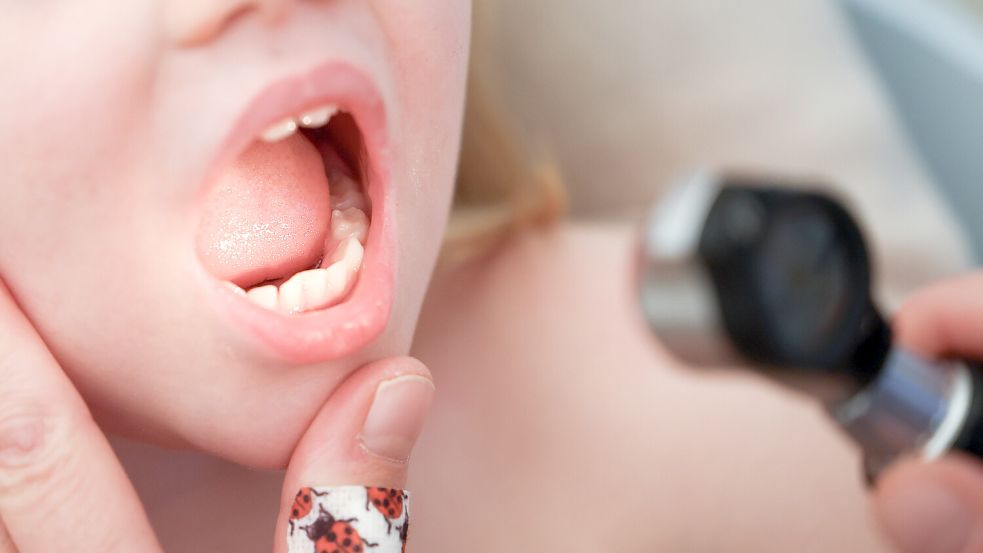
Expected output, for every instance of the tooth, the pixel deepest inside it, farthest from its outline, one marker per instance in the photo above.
(318, 117)
(341, 275)
(346, 193)
(306, 290)
(318, 288)
(338, 280)
(350, 252)
(263, 296)
(351, 222)
(279, 131)
(292, 294)
(323, 287)
(311, 289)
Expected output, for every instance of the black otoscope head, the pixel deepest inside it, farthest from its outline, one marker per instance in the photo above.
(784, 274)
(792, 278)
(750, 272)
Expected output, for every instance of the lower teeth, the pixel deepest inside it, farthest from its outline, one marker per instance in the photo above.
(323, 286)
(319, 288)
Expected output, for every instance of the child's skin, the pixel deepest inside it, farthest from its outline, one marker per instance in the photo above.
(117, 116)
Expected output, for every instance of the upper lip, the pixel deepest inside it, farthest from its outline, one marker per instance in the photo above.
(347, 327)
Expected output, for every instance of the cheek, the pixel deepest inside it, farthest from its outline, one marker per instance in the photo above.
(430, 45)
(64, 117)
(72, 118)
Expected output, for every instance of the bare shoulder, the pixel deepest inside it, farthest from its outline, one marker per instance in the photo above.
(555, 404)
(572, 268)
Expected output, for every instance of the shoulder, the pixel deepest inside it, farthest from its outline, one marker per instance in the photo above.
(539, 355)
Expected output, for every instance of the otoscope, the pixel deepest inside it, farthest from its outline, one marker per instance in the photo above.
(743, 271)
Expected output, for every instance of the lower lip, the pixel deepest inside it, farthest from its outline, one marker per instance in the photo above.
(348, 327)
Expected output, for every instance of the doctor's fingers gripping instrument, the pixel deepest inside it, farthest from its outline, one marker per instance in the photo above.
(737, 271)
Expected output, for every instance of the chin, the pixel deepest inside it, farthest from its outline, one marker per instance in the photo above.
(249, 420)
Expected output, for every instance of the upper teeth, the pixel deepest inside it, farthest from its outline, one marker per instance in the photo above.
(317, 117)
(279, 131)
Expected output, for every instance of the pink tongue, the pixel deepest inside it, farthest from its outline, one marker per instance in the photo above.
(268, 215)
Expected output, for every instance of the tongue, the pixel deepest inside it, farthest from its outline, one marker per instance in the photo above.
(268, 215)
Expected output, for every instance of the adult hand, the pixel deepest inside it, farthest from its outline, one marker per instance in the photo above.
(937, 507)
(62, 488)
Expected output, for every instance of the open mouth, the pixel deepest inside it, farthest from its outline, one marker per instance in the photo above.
(286, 222)
(294, 232)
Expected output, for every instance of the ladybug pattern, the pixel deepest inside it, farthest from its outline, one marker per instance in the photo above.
(303, 503)
(346, 519)
(404, 532)
(331, 535)
(388, 502)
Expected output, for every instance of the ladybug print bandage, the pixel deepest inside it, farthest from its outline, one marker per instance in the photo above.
(348, 519)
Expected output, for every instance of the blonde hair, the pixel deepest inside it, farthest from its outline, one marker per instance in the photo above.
(504, 184)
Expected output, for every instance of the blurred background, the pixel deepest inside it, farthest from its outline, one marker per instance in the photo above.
(630, 95)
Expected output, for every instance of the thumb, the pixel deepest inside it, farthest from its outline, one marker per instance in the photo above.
(933, 507)
(343, 490)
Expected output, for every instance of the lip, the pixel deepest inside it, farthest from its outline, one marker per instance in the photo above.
(353, 324)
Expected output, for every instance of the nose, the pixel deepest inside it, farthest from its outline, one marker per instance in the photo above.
(193, 22)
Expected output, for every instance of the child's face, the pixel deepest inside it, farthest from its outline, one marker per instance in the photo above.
(136, 185)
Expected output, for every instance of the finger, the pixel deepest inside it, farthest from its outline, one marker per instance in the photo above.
(6, 544)
(945, 319)
(61, 487)
(350, 465)
(933, 507)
